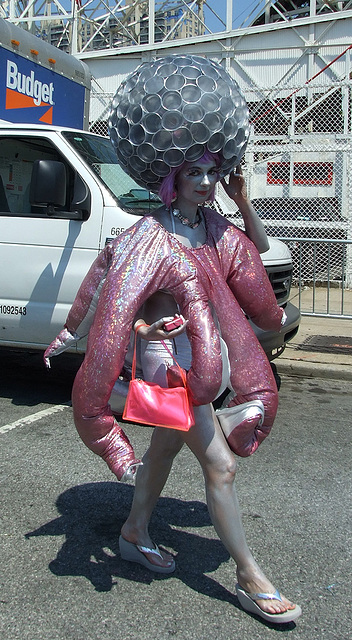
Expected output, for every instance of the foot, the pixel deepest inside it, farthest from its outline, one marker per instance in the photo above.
(255, 582)
(143, 542)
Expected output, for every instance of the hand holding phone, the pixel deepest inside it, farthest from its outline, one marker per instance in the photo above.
(173, 324)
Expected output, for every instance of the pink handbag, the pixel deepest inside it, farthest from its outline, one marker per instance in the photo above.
(148, 403)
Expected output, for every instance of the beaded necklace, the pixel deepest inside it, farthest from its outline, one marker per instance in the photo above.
(185, 220)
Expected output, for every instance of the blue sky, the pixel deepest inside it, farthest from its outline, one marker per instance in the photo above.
(243, 11)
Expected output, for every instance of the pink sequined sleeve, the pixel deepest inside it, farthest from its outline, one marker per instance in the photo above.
(249, 282)
(81, 314)
(239, 286)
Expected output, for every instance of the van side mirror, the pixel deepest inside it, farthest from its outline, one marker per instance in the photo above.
(48, 190)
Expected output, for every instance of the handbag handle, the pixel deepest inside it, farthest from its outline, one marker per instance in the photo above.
(165, 347)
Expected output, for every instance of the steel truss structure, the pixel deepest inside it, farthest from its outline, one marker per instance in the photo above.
(80, 26)
(86, 25)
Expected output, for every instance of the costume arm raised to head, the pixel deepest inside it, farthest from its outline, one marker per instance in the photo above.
(235, 187)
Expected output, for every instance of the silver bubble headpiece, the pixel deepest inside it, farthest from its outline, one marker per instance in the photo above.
(172, 110)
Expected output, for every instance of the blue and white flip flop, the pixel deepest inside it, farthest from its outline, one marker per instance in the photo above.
(136, 553)
(247, 601)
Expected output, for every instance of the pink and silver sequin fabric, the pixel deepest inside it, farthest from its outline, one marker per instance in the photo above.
(227, 271)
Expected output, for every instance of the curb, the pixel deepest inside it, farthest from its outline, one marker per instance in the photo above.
(314, 370)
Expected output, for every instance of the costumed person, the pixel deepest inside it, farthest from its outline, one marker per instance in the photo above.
(186, 260)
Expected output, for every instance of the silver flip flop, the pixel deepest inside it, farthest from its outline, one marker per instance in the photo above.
(135, 553)
(247, 601)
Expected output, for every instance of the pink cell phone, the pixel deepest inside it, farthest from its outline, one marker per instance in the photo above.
(173, 324)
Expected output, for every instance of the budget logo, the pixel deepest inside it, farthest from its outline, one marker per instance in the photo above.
(32, 93)
(27, 91)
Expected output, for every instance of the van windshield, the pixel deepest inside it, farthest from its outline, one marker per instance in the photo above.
(99, 154)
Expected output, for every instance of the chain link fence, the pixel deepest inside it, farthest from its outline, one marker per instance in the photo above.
(298, 167)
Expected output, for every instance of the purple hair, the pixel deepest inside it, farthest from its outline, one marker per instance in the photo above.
(167, 188)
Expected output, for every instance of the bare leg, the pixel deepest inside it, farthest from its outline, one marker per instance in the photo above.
(151, 478)
(219, 466)
(157, 461)
(207, 442)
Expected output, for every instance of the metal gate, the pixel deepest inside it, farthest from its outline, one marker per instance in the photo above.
(326, 292)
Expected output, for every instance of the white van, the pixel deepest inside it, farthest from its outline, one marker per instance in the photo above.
(63, 196)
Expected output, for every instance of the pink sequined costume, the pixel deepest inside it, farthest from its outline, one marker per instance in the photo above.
(227, 270)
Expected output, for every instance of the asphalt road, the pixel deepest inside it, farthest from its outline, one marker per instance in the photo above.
(61, 513)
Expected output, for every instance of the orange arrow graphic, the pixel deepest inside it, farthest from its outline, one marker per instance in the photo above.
(47, 117)
(15, 100)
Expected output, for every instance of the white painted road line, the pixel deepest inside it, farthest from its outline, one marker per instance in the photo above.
(34, 417)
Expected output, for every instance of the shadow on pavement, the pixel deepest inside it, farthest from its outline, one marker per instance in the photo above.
(91, 518)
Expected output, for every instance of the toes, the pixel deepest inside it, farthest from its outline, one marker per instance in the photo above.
(165, 561)
(287, 603)
(276, 606)
(271, 607)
